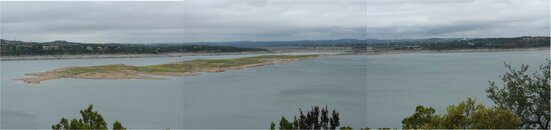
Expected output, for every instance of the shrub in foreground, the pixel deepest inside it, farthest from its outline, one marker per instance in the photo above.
(465, 115)
(316, 118)
(526, 94)
(90, 120)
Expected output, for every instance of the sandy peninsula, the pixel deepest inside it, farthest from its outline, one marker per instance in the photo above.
(183, 68)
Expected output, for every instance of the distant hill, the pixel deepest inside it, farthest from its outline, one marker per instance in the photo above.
(464, 43)
(61, 42)
(340, 42)
(528, 41)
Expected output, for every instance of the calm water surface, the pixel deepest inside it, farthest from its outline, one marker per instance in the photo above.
(374, 91)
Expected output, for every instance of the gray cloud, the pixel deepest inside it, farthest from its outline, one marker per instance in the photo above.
(234, 20)
(93, 21)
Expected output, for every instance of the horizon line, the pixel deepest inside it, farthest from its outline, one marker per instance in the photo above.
(272, 40)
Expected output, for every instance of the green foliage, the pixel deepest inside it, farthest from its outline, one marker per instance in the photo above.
(468, 115)
(527, 95)
(99, 69)
(272, 126)
(366, 128)
(465, 115)
(346, 128)
(314, 119)
(421, 117)
(90, 120)
(118, 126)
(284, 124)
(500, 118)
(296, 123)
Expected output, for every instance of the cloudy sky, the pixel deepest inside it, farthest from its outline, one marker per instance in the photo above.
(267, 20)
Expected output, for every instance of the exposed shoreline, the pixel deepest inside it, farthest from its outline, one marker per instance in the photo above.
(183, 68)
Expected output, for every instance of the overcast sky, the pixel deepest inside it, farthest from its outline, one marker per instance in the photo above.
(266, 20)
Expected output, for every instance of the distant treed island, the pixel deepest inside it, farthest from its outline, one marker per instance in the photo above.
(183, 68)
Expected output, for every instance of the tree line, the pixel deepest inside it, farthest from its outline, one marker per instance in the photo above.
(490, 43)
(71, 48)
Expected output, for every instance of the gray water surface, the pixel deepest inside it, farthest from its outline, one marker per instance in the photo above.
(373, 91)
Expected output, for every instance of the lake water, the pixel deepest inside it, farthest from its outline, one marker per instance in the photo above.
(374, 91)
